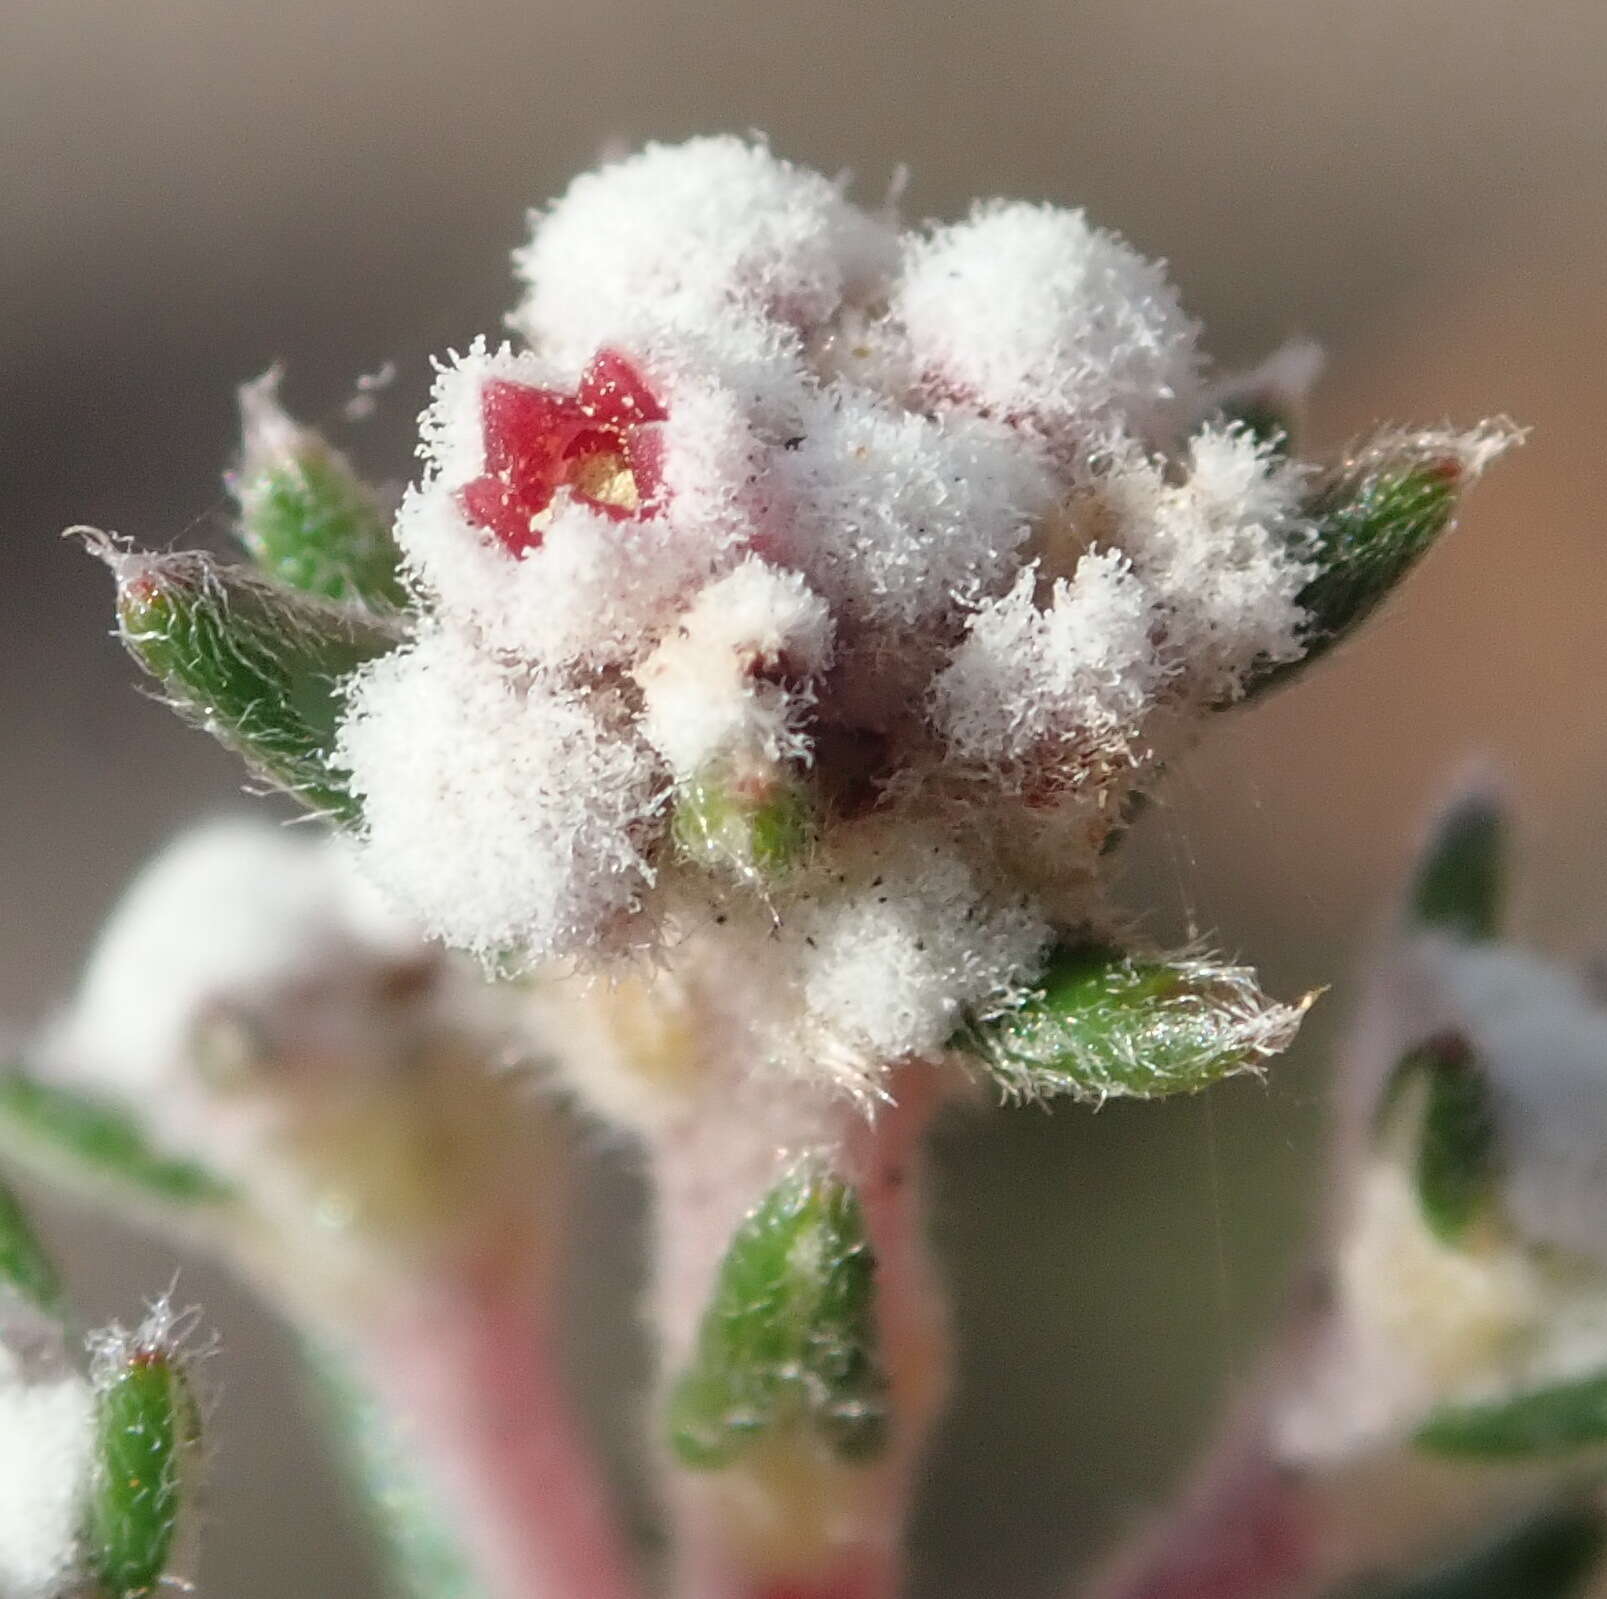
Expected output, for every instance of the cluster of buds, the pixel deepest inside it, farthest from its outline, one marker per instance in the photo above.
(777, 643)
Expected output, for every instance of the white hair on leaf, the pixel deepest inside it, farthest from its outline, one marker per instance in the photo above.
(47, 1436)
(896, 517)
(908, 935)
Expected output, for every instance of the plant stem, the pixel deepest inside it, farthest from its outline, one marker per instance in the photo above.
(471, 1370)
(786, 1521)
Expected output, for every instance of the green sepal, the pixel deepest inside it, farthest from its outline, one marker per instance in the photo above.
(25, 1269)
(146, 1424)
(1102, 1023)
(1548, 1554)
(788, 1339)
(92, 1141)
(255, 664)
(1454, 1154)
(1459, 886)
(306, 518)
(1553, 1420)
(757, 825)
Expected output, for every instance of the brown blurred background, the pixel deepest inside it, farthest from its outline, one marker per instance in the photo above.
(192, 190)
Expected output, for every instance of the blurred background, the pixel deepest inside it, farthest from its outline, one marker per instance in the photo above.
(193, 189)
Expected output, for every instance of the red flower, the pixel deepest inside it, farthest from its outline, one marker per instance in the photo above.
(601, 443)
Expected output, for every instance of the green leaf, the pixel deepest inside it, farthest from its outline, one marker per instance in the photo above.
(1455, 1159)
(255, 664)
(94, 1141)
(1544, 1421)
(757, 825)
(145, 1426)
(1549, 1554)
(789, 1337)
(306, 518)
(24, 1266)
(1460, 884)
(1373, 518)
(1102, 1023)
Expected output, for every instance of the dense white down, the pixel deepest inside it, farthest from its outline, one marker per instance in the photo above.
(46, 1447)
(1029, 311)
(710, 231)
(502, 811)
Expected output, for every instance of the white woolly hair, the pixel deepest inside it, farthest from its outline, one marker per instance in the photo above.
(1032, 313)
(898, 517)
(1033, 683)
(733, 674)
(905, 937)
(47, 1435)
(1224, 551)
(500, 812)
(716, 230)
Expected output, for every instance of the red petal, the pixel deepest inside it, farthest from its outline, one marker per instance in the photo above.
(526, 429)
(644, 455)
(616, 394)
(490, 503)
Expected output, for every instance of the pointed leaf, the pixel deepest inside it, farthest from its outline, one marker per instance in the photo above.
(1102, 1023)
(306, 518)
(1460, 881)
(789, 1336)
(1552, 1420)
(94, 1141)
(25, 1268)
(1374, 517)
(255, 664)
(145, 1426)
(1452, 1132)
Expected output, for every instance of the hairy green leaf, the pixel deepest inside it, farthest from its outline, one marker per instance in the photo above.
(788, 1338)
(145, 1426)
(757, 826)
(1102, 1023)
(255, 664)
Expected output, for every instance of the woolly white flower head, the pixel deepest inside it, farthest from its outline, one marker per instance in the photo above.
(788, 532)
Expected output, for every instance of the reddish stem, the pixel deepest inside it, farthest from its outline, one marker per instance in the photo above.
(474, 1371)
